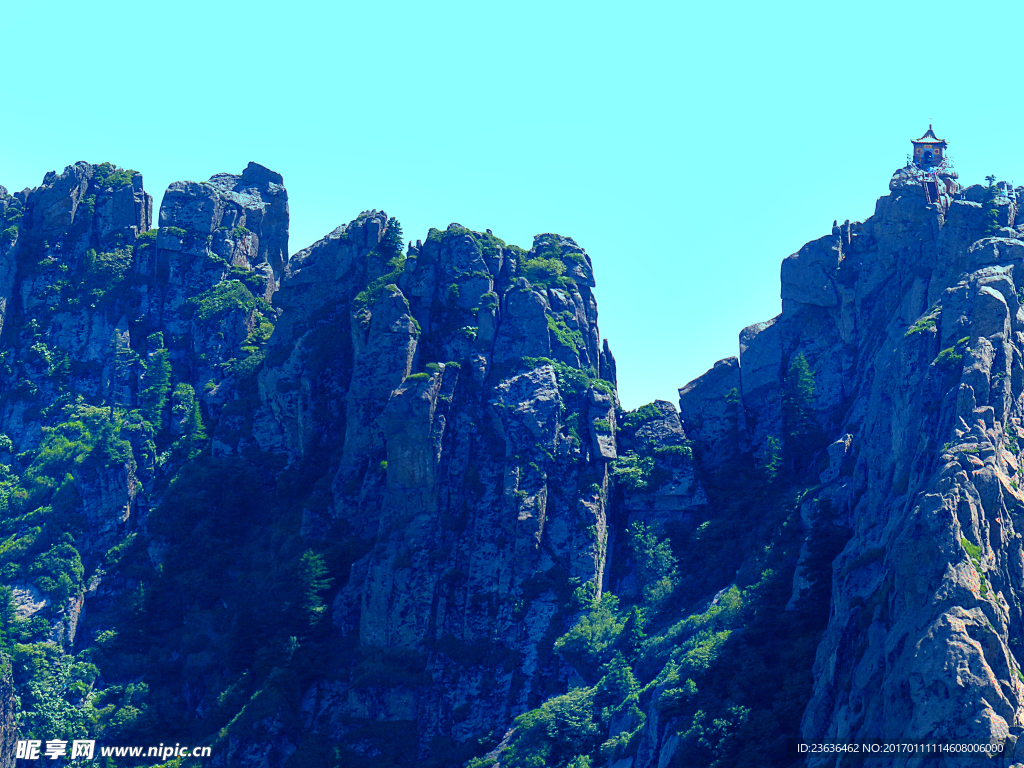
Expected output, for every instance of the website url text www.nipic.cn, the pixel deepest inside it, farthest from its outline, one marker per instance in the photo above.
(85, 749)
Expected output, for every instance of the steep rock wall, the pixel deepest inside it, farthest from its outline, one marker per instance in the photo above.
(910, 323)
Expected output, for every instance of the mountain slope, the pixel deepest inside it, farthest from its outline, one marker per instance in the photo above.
(377, 504)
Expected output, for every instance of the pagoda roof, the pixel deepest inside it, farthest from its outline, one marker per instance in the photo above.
(928, 138)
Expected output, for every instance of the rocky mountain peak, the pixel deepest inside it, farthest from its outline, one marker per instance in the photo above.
(244, 216)
(378, 503)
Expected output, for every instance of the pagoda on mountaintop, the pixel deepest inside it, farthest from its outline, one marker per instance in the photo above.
(929, 151)
(931, 166)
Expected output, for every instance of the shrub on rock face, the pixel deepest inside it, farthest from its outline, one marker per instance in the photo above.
(949, 358)
(589, 643)
(232, 294)
(641, 415)
(655, 564)
(109, 176)
(58, 571)
(633, 471)
(105, 272)
(541, 271)
(556, 733)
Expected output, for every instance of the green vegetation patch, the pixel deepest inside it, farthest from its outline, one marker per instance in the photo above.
(924, 323)
(588, 644)
(949, 358)
(109, 175)
(675, 451)
(547, 267)
(89, 435)
(990, 208)
(59, 572)
(105, 271)
(548, 247)
(392, 244)
(157, 380)
(254, 281)
(974, 553)
(655, 563)
(642, 415)
(541, 271)
(571, 381)
(490, 246)
(633, 471)
(253, 349)
(369, 295)
(973, 550)
(226, 296)
(559, 733)
(566, 337)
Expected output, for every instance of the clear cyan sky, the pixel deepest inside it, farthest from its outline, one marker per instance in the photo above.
(689, 147)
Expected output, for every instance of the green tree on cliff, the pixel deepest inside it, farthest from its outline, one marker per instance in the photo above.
(185, 407)
(391, 243)
(158, 380)
(655, 563)
(798, 390)
(313, 580)
(990, 208)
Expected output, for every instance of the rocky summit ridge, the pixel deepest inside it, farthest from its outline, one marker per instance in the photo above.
(377, 503)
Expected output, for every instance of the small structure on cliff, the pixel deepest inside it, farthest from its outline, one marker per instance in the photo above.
(930, 166)
(929, 151)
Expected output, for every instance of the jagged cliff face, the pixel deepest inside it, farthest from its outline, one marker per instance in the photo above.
(910, 322)
(419, 439)
(462, 399)
(926, 596)
(378, 505)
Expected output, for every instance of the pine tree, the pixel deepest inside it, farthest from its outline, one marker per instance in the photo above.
(391, 243)
(733, 409)
(158, 379)
(771, 459)
(185, 407)
(990, 208)
(312, 581)
(631, 639)
(798, 390)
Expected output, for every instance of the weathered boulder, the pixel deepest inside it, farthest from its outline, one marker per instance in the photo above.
(712, 413)
(808, 276)
(243, 219)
